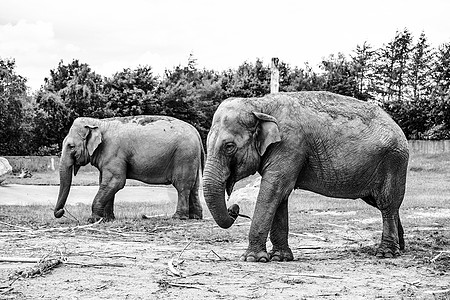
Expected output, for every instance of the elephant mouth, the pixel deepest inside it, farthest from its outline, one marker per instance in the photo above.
(230, 185)
(75, 169)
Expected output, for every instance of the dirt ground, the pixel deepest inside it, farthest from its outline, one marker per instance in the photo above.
(333, 242)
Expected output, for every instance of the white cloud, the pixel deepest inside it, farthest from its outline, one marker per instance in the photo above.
(112, 35)
(35, 49)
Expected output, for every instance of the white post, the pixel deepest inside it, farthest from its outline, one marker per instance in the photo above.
(274, 76)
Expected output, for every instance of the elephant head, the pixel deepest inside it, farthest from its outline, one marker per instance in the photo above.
(238, 139)
(77, 150)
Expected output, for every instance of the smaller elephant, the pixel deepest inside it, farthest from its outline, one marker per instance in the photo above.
(151, 149)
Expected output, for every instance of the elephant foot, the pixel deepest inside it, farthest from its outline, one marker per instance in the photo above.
(385, 251)
(95, 218)
(281, 254)
(196, 216)
(180, 216)
(402, 244)
(252, 256)
(109, 218)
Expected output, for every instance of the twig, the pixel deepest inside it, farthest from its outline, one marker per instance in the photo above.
(347, 227)
(72, 215)
(214, 252)
(15, 226)
(309, 247)
(437, 256)
(185, 247)
(242, 224)
(415, 283)
(172, 268)
(7, 289)
(309, 235)
(437, 292)
(314, 275)
(144, 216)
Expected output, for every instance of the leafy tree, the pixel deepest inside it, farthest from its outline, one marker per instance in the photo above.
(191, 95)
(50, 122)
(420, 69)
(392, 66)
(298, 79)
(339, 75)
(363, 63)
(247, 81)
(440, 96)
(80, 89)
(13, 96)
(130, 92)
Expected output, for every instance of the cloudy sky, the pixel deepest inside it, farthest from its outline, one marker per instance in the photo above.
(112, 35)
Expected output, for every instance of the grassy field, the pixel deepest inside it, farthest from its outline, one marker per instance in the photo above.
(332, 239)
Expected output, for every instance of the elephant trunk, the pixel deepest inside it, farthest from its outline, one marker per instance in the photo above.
(65, 181)
(214, 193)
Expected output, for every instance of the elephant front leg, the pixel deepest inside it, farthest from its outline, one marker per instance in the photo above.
(109, 210)
(279, 234)
(270, 197)
(102, 207)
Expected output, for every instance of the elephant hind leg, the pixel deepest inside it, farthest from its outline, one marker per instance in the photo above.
(388, 201)
(195, 207)
(401, 239)
(182, 211)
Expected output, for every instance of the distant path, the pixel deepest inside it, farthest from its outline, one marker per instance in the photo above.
(15, 194)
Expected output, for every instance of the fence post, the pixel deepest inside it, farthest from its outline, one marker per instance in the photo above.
(274, 76)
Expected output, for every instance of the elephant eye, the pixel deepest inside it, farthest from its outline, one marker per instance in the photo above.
(71, 146)
(230, 148)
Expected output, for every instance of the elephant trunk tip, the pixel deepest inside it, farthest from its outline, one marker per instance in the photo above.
(233, 213)
(59, 213)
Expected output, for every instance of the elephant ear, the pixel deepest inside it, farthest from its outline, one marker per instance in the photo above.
(93, 139)
(267, 132)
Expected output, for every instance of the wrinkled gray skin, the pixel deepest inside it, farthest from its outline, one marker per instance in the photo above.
(152, 149)
(318, 141)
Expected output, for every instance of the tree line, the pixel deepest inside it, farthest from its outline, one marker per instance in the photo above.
(407, 77)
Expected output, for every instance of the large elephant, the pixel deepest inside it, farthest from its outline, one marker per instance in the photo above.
(330, 144)
(152, 149)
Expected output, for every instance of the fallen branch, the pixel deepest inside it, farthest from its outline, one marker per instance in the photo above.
(165, 284)
(41, 268)
(314, 275)
(95, 265)
(20, 259)
(40, 260)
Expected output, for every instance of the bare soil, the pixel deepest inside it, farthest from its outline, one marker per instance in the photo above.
(333, 242)
(129, 259)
